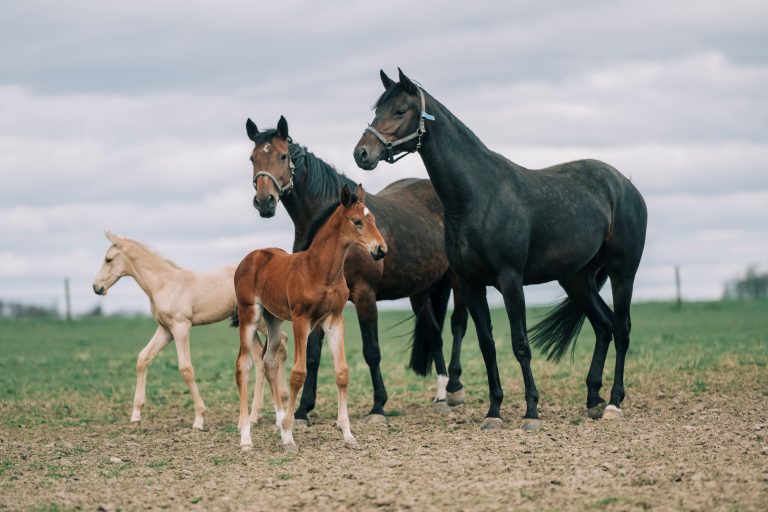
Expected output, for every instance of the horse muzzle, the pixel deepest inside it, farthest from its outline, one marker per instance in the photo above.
(379, 253)
(99, 290)
(366, 157)
(266, 207)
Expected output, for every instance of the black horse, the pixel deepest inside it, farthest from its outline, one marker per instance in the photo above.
(410, 217)
(506, 226)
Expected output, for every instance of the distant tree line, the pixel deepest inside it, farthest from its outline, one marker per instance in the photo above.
(19, 310)
(753, 285)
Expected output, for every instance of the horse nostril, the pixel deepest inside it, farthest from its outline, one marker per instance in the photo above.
(363, 154)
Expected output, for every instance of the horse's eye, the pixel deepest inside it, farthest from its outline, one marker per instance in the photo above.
(357, 222)
(283, 157)
(107, 260)
(401, 111)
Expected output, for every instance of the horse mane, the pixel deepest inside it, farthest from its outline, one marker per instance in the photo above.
(318, 222)
(150, 252)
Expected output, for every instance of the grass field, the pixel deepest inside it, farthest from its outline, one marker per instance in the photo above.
(79, 378)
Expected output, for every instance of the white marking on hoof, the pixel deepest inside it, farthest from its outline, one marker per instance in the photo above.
(491, 423)
(136, 416)
(596, 411)
(287, 437)
(531, 425)
(442, 382)
(440, 407)
(300, 423)
(612, 412)
(376, 419)
(279, 417)
(455, 398)
(245, 437)
(198, 424)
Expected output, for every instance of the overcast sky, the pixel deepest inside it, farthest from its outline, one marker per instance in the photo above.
(131, 116)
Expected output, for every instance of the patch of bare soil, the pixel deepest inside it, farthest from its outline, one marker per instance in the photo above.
(686, 451)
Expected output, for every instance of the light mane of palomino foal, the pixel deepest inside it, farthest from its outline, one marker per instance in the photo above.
(308, 288)
(179, 299)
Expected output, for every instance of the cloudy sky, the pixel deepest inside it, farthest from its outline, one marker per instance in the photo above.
(131, 116)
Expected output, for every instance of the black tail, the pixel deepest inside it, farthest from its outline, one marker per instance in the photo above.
(428, 331)
(561, 327)
(234, 320)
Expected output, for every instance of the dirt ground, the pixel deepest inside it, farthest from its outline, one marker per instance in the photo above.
(673, 450)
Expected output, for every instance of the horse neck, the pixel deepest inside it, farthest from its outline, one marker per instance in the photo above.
(460, 166)
(328, 250)
(149, 270)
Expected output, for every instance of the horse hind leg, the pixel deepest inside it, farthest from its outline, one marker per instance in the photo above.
(334, 331)
(455, 389)
(274, 358)
(257, 355)
(622, 324)
(181, 335)
(249, 318)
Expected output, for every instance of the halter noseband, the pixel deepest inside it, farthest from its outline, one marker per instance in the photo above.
(420, 131)
(281, 191)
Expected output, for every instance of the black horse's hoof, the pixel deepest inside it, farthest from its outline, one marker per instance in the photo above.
(455, 398)
(376, 419)
(596, 411)
(300, 423)
(440, 407)
(491, 423)
(531, 425)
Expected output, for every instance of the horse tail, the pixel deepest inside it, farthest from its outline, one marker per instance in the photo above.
(429, 325)
(560, 328)
(234, 320)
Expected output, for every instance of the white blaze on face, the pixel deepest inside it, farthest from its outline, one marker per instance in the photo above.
(366, 212)
(266, 147)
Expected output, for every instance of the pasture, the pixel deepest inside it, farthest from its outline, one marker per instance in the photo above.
(694, 434)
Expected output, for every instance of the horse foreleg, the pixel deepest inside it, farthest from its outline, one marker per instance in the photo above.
(181, 335)
(301, 329)
(334, 331)
(159, 340)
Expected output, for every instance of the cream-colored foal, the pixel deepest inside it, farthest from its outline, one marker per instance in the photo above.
(179, 299)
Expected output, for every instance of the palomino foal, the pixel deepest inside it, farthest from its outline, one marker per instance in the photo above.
(308, 288)
(179, 299)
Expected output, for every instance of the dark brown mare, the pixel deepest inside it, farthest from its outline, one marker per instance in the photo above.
(410, 218)
(308, 288)
(506, 226)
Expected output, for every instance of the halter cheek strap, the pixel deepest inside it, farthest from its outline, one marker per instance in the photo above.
(281, 191)
(420, 131)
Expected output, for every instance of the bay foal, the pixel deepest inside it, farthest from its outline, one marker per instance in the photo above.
(179, 299)
(308, 288)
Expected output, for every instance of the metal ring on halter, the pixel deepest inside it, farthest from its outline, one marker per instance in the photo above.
(281, 191)
(389, 145)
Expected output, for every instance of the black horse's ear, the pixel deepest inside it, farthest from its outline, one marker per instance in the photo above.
(250, 127)
(385, 80)
(406, 82)
(360, 193)
(282, 128)
(346, 197)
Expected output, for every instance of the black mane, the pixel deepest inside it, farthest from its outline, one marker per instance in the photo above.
(318, 222)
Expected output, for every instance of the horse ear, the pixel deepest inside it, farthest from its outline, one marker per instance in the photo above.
(360, 193)
(282, 128)
(250, 127)
(112, 237)
(346, 197)
(406, 82)
(385, 80)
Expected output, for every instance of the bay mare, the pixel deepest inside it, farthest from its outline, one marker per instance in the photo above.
(579, 223)
(410, 218)
(179, 299)
(308, 288)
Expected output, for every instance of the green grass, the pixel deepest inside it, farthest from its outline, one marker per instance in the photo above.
(83, 372)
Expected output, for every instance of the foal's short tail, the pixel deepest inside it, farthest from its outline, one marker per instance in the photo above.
(561, 327)
(234, 320)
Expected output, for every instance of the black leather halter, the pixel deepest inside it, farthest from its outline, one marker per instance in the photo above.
(420, 131)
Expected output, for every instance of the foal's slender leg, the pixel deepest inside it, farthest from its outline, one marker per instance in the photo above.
(257, 351)
(364, 299)
(334, 330)
(180, 333)
(159, 340)
(249, 317)
(514, 301)
(478, 308)
(301, 329)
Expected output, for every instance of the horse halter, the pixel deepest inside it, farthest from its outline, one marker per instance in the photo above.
(281, 191)
(420, 131)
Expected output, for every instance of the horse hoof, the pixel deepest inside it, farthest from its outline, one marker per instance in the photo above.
(290, 448)
(246, 447)
(300, 423)
(135, 423)
(491, 423)
(455, 398)
(376, 419)
(531, 425)
(440, 407)
(612, 413)
(198, 425)
(596, 411)
(351, 444)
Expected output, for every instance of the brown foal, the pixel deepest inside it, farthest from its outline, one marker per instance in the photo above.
(308, 288)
